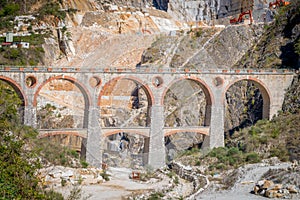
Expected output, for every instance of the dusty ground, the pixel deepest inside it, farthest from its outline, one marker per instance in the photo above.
(118, 187)
(121, 186)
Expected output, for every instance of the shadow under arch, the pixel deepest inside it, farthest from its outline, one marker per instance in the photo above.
(134, 144)
(111, 83)
(207, 92)
(263, 90)
(82, 88)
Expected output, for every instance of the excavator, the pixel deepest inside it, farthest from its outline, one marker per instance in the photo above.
(240, 19)
(278, 3)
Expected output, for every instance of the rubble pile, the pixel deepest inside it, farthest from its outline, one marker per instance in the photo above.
(57, 176)
(268, 188)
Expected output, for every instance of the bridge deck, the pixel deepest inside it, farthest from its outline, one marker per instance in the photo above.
(142, 70)
(145, 131)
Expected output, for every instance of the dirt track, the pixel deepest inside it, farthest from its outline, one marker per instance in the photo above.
(248, 176)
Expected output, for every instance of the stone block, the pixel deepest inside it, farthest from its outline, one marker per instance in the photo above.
(292, 189)
(268, 184)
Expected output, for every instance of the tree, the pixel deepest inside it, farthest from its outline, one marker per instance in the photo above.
(18, 163)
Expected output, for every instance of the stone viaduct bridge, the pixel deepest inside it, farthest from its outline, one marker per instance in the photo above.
(155, 82)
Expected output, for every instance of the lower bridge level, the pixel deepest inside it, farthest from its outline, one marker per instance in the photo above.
(74, 137)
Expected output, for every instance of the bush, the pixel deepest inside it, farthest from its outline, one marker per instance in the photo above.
(253, 157)
(84, 164)
(104, 175)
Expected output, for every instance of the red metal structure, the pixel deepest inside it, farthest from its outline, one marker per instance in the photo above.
(240, 19)
(278, 3)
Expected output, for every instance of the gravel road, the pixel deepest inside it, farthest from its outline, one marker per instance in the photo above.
(248, 176)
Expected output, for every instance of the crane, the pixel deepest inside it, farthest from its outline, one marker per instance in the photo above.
(240, 19)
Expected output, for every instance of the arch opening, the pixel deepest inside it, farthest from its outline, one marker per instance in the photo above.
(125, 102)
(177, 143)
(72, 141)
(187, 102)
(11, 86)
(61, 103)
(246, 102)
(125, 150)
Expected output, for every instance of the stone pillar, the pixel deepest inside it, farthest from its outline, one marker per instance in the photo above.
(30, 116)
(93, 150)
(157, 152)
(216, 128)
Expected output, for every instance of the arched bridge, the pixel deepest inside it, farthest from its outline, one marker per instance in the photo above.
(94, 85)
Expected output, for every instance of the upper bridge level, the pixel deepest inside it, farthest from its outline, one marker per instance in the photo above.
(94, 84)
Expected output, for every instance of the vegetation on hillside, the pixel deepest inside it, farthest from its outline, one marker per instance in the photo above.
(279, 47)
(48, 12)
(17, 162)
(279, 137)
(21, 153)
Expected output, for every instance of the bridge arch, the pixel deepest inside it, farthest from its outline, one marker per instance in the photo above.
(16, 87)
(205, 88)
(79, 85)
(172, 132)
(125, 148)
(125, 100)
(144, 86)
(130, 132)
(263, 90)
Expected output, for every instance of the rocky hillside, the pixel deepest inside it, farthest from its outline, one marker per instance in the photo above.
(77, 33)
(279, 45)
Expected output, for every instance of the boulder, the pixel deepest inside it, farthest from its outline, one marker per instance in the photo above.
(255, 189)
(267, 184)
(55, 172)
(270, 193)
(67, 174)
(292, 189)
(100, 179)
(260, 183)
(277, 187)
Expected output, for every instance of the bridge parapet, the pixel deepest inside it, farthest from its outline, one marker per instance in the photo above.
(143, 70)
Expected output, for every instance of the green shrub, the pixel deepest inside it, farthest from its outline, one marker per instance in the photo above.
(253, 157)
(84, 164)
(104, 175)
(176, 180)
(220, 166)
(52, 195)
(156, 196)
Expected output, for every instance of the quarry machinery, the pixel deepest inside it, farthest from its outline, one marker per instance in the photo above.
(278, 3)
(240, 19)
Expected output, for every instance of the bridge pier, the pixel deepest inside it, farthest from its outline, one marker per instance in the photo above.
(216, 130)
(93, 150)
(157, 153)
(30, 116)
